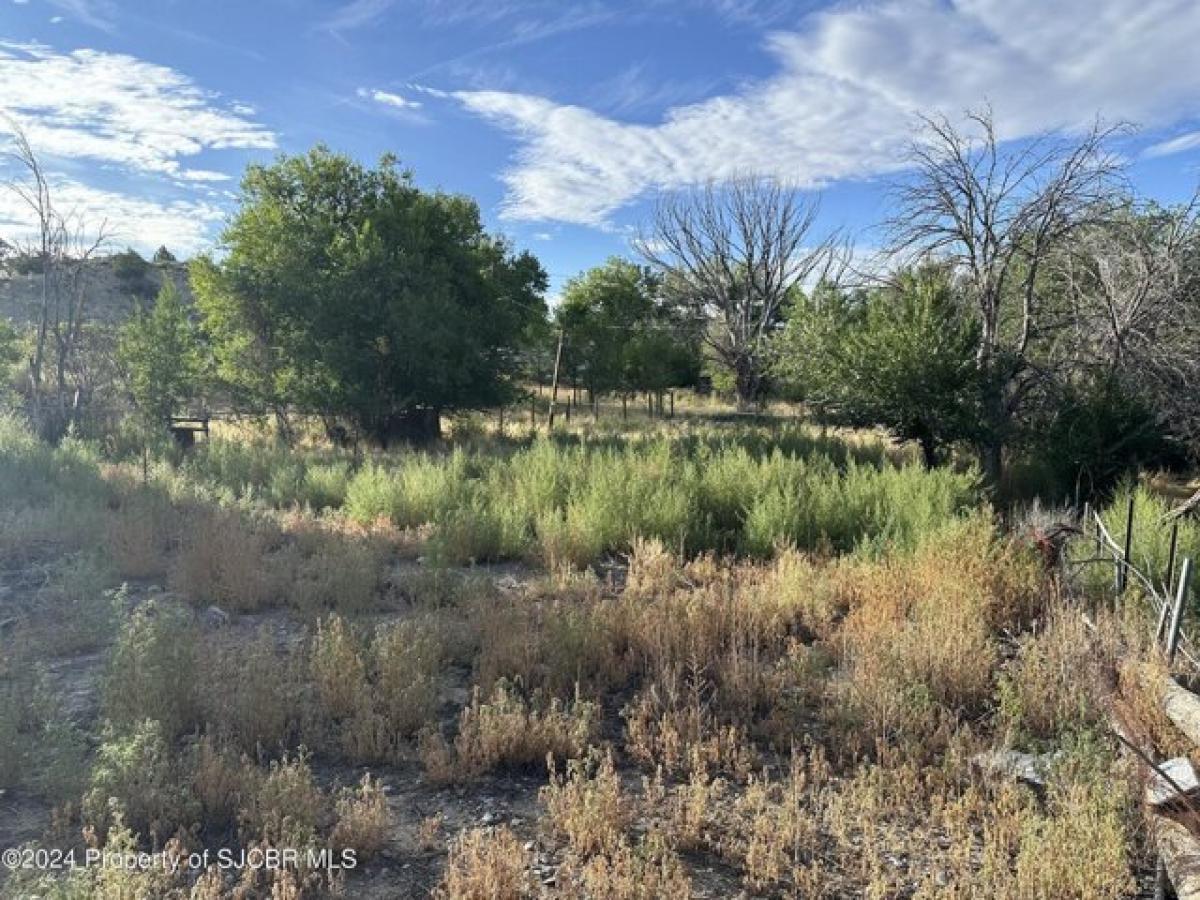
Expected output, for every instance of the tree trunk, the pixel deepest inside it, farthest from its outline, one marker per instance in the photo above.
(991, 460)
(747, 383)
(929, 454)
(413, 426)
(991, 445)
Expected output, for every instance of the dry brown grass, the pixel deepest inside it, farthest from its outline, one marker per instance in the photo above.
(251, 691)
(287, 809)
(363, 821)
(140, 534)
(508, 730)
(647, 870)
(406, 660)
(485, 865)
(670, 725)
(585, 804)
(231, 560)
(805, 725)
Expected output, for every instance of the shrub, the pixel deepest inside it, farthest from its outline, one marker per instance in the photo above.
(363, 820)
(485, 865)
(325, 486)
(250, 692)
(136, 778)
(1151, 537)
(507, 730)
(151, 673)
(335, 572)
(585, 804)
(645, 871)
(287, 809)
(228, 559)
(40, 750)
(406, 658)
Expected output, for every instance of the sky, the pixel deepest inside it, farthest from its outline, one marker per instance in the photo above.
(566, 119)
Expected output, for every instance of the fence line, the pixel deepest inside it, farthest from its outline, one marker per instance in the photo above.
(1168, 610)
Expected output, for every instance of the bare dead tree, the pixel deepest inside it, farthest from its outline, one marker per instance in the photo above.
(1134, 287)
(63, 245)
(997, 215)
(731, 253)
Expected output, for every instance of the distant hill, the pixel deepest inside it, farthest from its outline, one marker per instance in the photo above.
(115, 289)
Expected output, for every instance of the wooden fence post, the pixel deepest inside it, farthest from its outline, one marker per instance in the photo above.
(1174, 548)
(1185, 577)
(1123, 562)
(554, 381)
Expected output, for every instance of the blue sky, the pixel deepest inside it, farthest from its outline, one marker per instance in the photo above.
(565, 119)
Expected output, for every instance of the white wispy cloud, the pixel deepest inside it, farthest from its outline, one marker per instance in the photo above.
(387, 98)
(141, 124)
(1180, 144)
(848, 84)
(637, 87)
(186, 226)
(356, 14)
(100, 14)
(120, 110)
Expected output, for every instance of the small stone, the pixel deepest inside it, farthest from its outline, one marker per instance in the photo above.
(528, 844)
(214, 617)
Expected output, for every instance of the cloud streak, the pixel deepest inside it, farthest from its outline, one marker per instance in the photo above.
(389, 99)
(185, 226)
(842, 102)
(119, 110)
(99, 14)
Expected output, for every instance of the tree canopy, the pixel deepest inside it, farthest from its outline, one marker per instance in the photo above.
(161, 355)
(901, 356)
(619, 334)
(348, 292)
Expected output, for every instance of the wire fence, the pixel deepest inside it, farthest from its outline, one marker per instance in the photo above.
(1167, 596)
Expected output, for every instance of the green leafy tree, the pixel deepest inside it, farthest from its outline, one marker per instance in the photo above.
(161, 353)
(133, 272)
(901, 357)
(621, 336)
(347, 292)
(163, 255)
(10, 355)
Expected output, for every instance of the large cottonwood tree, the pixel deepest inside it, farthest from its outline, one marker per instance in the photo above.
(350, 293)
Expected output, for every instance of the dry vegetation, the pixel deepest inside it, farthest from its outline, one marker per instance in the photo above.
(798, 720)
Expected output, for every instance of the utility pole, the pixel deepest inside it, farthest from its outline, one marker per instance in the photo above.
(554, 380)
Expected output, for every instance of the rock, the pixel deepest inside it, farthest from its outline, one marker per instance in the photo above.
(1161, 792)
(214, 617)
(489, 818)
(1028, 767)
